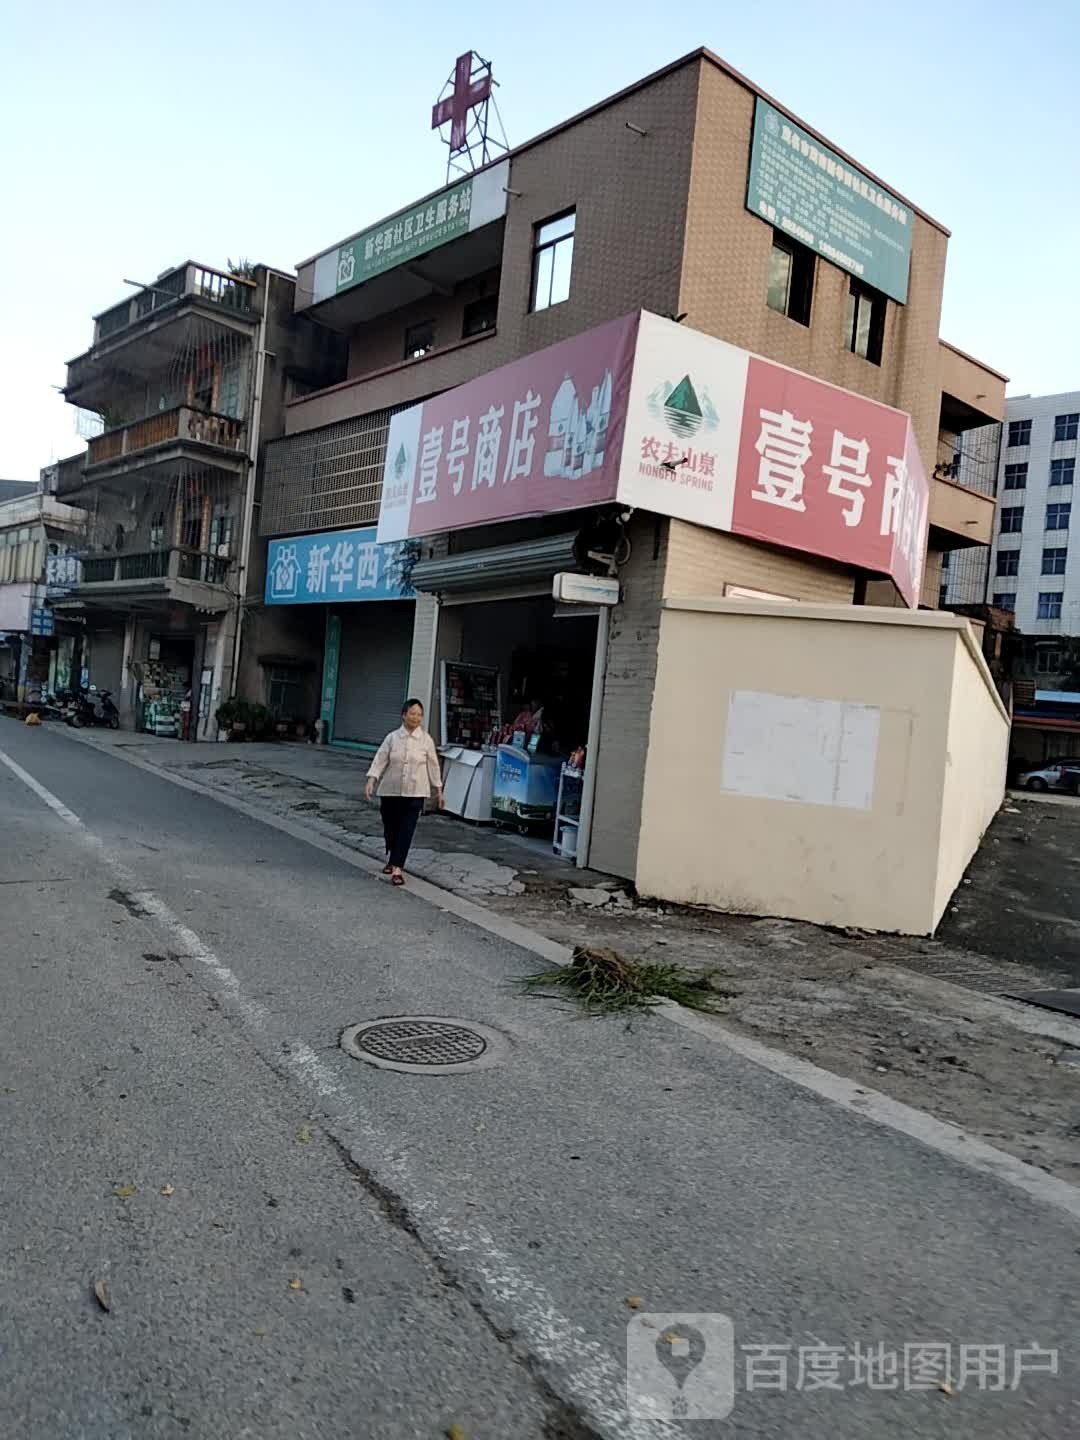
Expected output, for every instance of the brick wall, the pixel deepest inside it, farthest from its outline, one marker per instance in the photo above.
(701, 562)
(725, 277)
(630, 194)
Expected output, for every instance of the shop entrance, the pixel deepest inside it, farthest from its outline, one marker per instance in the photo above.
(165, 691)
(514, 689)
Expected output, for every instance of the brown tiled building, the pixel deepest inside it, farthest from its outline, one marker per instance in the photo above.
(637, 203)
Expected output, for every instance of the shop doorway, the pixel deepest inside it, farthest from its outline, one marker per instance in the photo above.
(515, 687)
(165, 694)
(372, 671)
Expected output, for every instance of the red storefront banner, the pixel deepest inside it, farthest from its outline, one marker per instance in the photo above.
(532, 438)
(669, 420)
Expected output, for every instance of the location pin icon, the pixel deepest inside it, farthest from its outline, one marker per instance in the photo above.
(680, 1349)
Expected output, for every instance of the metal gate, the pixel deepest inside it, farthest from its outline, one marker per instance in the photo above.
(373, 671)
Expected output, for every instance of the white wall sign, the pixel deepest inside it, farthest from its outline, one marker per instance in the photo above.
(786, 747)
(585, 589)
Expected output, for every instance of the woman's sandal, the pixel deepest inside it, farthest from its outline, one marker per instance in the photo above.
(388, 869)
(397, 880)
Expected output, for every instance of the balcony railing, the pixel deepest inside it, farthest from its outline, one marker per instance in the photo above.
(167, 426)
(174, 563)
(188, 282)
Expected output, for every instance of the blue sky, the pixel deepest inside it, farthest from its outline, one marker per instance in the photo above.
(148, 134)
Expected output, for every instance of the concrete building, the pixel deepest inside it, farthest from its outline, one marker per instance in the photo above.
(646, 202)
(189, 376)
(1032, 572)
(36, 532)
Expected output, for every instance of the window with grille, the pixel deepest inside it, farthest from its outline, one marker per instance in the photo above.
(1062, 471)
(1066, 426)
(1008, 562)
(1049, 605)
(1016, 476)
(1006, 600)
(1019, 432)
(1053, 561)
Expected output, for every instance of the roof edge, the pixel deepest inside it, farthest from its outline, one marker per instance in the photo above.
(973, 360)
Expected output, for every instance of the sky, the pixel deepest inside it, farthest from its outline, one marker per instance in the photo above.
(139, 135)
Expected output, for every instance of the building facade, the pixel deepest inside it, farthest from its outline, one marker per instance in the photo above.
(646, 202)
(189, 377)
(37, 535)
(1031, 570)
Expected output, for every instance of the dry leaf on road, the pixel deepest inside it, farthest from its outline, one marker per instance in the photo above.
(296, 1283)
(634, 1302)
(455, 1432)
(101, 1295)
(168, 1190)
(125, 1192)
(303, 1135)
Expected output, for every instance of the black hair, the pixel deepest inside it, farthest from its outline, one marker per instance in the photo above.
(410, 703)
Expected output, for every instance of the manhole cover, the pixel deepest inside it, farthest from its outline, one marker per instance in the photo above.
(424, 1044)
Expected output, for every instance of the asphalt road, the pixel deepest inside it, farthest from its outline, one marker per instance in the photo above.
(295, 1244)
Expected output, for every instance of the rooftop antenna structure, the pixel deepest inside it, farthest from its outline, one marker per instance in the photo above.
(466, 104)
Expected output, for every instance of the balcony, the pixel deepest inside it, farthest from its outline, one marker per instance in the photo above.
(148, 580)
(163, 439)
(141, 334)
(959, 516)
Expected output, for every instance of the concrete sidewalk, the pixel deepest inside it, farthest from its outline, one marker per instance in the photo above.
(917, 1019)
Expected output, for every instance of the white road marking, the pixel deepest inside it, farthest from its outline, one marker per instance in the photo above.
(588, 1377)
(951, 1141)
(39, 790)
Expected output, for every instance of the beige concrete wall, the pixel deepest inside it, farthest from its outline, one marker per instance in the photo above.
(972, 382)
(976, 759)
(859, 843)
(966, 514)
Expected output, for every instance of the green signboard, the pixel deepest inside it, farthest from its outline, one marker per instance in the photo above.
(801, 187)
(404, 236)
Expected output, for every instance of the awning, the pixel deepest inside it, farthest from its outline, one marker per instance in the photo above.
(500, 565)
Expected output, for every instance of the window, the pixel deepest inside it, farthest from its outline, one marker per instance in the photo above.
(1053, 561)
(1048, 662)
(1019, 432)
(553, 255)
(157, 531)
(419, 339)
(1066, 426)
(946, 559)
(864, 322)
(221, 531)
(791, 279)
(1057, 516)
(1006, 601)
(479, 315)
(229, 392)
(943, 595)
(202, 394)
(1049, 604)
(1008, 562)
(285, 692)
(1016, 476)
(1062, 471)
(1012, 520)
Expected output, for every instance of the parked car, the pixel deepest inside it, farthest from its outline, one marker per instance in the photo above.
(1053, 775)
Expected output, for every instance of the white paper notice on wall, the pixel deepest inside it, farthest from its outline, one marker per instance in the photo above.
(786, 747)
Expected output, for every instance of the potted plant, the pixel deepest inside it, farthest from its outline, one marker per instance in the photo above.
(232, 717)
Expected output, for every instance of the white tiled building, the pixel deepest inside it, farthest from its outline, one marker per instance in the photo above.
(1035, 562)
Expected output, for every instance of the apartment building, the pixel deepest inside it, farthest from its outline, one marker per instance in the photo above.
(189, 376)
(688, 196)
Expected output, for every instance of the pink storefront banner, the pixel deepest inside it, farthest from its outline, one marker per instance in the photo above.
(669, 420)
(539, 436)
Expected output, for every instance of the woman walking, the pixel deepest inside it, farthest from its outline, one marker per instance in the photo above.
(406, 771)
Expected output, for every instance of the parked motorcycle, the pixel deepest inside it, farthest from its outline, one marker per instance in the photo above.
(93, 707)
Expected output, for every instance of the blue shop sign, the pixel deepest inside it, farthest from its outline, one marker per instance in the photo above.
(41, 622)
(337, 567)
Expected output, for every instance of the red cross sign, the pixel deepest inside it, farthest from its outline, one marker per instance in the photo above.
(465, 94)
